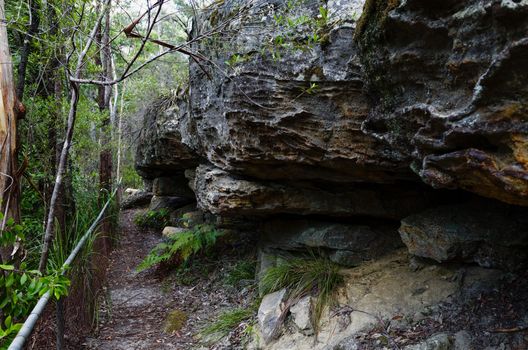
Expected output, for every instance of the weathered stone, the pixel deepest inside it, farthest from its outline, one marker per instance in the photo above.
(160, 149)
(137, 199)
(170, 231)
(168, 202)
(223, 194)
(489, 233)
(440, 341)
(259, 121)
(177, 186)
(346, 244)
(449, 97)
(301, 312)
(384, 288)
(270, 314)
(462, 341)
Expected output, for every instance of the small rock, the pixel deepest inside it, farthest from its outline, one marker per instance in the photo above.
(136, 199)
(269, 314)
(440, 341)
(195, 217)
(168, 202)
(301, 315)
(346, 344)
(463, 340)
(170, 231)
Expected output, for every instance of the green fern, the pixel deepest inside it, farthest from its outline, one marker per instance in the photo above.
(182, 246)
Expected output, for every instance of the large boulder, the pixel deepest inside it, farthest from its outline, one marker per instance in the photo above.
(136, 199)
(169, 202)
(347, 244)
(489, 233)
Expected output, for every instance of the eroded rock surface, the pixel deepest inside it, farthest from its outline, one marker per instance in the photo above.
(348, 244)
(486, 232)
(222, 193)
(450, 96)
(326, 129)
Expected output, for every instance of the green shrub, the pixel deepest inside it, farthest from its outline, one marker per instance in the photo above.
(156, 219)
(180, 247)
(305, 276)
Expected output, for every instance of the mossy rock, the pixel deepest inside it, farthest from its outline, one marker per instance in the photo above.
(374, 16)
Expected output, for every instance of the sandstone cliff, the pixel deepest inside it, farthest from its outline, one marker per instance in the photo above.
(388, 104)
(355, 128)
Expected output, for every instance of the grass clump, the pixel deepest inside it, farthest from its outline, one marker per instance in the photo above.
(182, 246)
(243, 270)
(175, 321)
(156, 219)
(316, 276)
(228, 321)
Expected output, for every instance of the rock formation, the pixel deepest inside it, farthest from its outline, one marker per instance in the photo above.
(390, 103)
(330, 126)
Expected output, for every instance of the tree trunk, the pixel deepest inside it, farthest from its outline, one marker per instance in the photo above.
(34, 9)
(63, 160)
(105, 156)
(10, 109)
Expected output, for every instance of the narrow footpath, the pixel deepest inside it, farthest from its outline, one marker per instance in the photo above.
(133, 314)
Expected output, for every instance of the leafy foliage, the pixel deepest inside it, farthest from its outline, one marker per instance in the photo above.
(182, 246)
(305, 276)
(20, 287)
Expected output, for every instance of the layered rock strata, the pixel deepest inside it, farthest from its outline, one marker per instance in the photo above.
(339, 114)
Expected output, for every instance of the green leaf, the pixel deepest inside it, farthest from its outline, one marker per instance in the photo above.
(7, 321)
(23, 279)
(7, 267)
(10, 280)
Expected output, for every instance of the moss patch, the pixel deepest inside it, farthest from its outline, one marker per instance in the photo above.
(374, 15)
(175, 321)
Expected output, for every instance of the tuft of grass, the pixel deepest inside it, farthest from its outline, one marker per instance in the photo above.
(227, 321)
(243, 270)
(175, 321)
(304, 276)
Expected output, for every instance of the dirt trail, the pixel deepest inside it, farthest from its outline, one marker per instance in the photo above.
(137, 303)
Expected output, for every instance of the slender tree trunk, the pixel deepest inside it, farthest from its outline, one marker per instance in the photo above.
(34, 9)
(10, 109)
(105, 157)
(63, 160)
